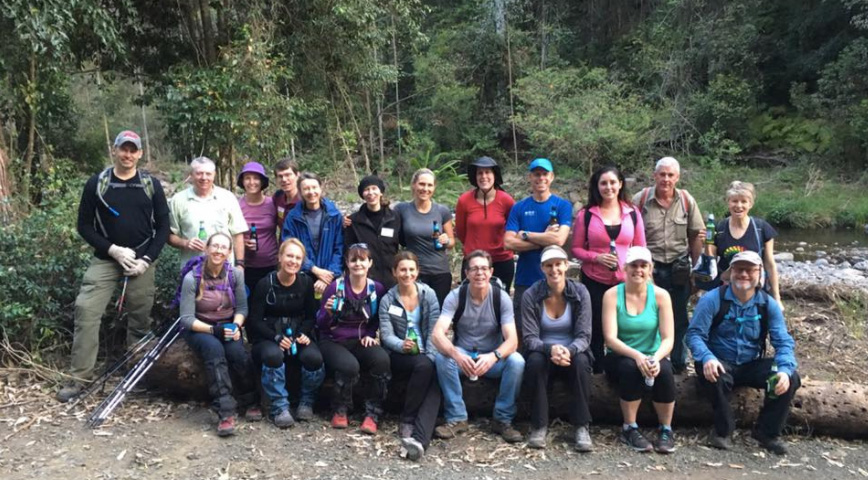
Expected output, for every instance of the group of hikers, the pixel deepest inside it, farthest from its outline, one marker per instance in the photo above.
(370, 296)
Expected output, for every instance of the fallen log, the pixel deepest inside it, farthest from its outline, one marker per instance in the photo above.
(828, 408)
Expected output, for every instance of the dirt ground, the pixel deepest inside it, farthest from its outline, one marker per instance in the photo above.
(152, 437)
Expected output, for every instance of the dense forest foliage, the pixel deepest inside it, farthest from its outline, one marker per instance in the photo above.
(396, 84)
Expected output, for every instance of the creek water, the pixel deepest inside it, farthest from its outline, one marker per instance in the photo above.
(827, 240)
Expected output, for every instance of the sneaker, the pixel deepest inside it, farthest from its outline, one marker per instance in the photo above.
(405, 430)
(304, 413)
(634, 439)
(69, 391)
(253, 413)
(507, 431)
(415, 450)
(283, 419)
(718, 442)
(451, 429)
(772, 444)
(537, 438)
(369, 426)
(665, 441)
(226, 427)
(339, 421)
(583, 440)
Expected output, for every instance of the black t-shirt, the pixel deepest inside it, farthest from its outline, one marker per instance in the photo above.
(754, 239)
(270, 300)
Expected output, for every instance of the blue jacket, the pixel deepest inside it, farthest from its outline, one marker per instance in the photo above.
(736, 339)
(331, 238)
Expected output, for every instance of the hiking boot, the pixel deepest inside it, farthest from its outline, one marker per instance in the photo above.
(665, 442)
(772, 444)
(226, 427)
(634, 439)
(451, 429)
(718, 442)
(283, 419)
(537, 438)
(369, 426)
(69, 391)
(253, 413)
(304, 413)
(414, 449)
(339, 421)
(405, 430)
(583, 440)
(507, 431)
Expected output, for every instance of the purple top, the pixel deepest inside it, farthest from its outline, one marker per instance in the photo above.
(356, 319)
(264, 216)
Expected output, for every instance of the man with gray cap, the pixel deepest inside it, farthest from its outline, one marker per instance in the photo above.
(123, 215)
(727, 337)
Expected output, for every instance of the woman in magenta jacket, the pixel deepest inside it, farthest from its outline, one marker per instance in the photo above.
(608, 216)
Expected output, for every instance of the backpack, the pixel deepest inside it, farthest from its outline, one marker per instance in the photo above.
(195, 265)
(724, 226)
(103, 183)
(370, 299)
(763, 312)
(497, 289)
(588, 223)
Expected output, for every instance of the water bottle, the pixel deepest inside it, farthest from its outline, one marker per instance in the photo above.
(338, 305)
(613, 251)
(474, 355)
(436, 236)
(203, 235)
(292, 348)
(229, 326)
(709, 230)
(254, 237)
(412, 335)
(649, 381)
(772, 383)
(553, 216)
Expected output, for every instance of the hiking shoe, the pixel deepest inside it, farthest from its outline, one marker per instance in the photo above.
(451, 429)
(253, 413)
(634, 439)
(304, 413)
(415, 450)
(69, 391)
(226, 427)
(507, 431)
(405, 430)
(339, 421)
(283, 419)
(772, 444)
(583, 440)
(369, 426)
(537, 438)
(665, 442)
(718, 442)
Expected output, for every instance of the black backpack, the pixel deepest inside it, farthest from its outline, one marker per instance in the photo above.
(763, 313)
(497, 289)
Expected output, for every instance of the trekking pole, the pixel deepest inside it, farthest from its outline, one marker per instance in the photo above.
(105, 409)
(120, 302)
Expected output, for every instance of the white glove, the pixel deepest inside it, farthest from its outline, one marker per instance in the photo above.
(140, 267)
(126, 257)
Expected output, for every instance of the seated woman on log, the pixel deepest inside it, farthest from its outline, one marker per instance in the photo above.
(280, 327)
(348, 323)
(407, 317)
(639, 329)
(213, 308)
(556, 318)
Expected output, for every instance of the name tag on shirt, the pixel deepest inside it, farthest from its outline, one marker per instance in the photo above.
(396, 310)
(387, 232)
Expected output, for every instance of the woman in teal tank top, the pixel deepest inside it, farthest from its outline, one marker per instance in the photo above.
(638, 329)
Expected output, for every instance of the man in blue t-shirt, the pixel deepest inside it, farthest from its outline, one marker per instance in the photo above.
(534, 223)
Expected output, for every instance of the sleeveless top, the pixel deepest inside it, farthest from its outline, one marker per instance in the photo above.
(642, 331)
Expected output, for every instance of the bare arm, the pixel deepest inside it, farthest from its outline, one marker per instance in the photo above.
(665, 322)
(610, 327)
(238, 246)
(441, 341)
(772, 270)
(513, 242)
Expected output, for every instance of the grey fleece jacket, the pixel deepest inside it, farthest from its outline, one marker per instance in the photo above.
(531, 317)
(393, 326)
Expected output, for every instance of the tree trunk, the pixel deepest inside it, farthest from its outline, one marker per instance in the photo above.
(27, 170)
(5, 181)
(207, 32)
(829, 408)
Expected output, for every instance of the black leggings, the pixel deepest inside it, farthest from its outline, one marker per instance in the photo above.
(631, 383)
(345, 360)
(596, 290)
(538, 373)
(422, 400)
(441, 283)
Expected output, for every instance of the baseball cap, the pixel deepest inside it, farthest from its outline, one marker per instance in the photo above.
(748, 256)
(543, 163)
(638, 253)
(552, 252)
(128, 136)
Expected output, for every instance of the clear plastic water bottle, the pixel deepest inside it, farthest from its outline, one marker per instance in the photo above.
(474, 355)
(613, 251)
(649, 381)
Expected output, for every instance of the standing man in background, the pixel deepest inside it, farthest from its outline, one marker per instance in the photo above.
(123, 215)
(286, 171)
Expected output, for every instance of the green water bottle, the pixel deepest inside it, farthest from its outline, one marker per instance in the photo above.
(202, 234)
(412, 335)
(772, 383)
(709, 230)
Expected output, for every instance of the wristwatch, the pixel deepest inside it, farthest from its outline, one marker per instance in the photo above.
(498, 355)
(524, 235)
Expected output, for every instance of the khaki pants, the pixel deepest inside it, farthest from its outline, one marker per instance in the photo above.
(100, 281)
